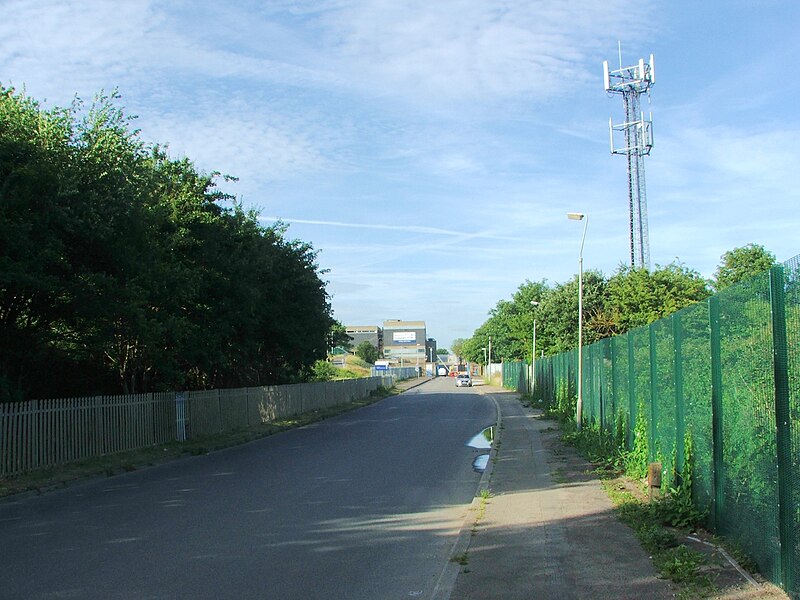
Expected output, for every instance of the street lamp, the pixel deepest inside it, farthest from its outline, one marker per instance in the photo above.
(534, 304)
(575, 216)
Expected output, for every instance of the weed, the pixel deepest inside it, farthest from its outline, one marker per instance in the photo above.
(635, 460)
(681, 565)
(461, 559)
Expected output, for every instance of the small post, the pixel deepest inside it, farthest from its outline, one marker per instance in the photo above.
(654, 479)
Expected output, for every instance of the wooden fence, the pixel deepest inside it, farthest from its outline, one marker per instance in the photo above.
(45, 433)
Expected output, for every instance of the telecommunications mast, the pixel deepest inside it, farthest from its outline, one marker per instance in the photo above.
(637, 134)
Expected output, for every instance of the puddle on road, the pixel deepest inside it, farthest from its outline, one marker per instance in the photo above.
(482, 441)
(480, 462)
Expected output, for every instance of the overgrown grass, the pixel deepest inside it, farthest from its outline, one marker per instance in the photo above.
(113, 464)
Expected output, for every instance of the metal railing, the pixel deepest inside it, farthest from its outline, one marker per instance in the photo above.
(46, 433)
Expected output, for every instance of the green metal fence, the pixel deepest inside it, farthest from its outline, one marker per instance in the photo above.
(725, 375)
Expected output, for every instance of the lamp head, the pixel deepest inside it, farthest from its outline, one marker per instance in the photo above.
(575, 216)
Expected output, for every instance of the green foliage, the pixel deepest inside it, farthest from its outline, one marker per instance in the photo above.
(742, 263)
(682, 565)
(565, 406)
(324, 371)
(337, 337)
(458, 347)
(510, 327)
(636, 459)
(630, 298)
(636, 296)
(124, 270)
(677, 508)
(367, 352)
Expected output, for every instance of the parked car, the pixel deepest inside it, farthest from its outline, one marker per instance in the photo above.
(464, 380)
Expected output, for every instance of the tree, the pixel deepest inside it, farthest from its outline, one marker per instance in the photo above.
(557, 313)
(510, 326)
(367, 352)
(338, 338)
(458, 348)
(123, 269)
(741, 263)
(636, 296)
(442, 352)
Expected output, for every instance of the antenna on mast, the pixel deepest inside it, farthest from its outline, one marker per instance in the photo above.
(637, 133)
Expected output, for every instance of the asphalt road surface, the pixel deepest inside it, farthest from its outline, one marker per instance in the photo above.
(365, 505)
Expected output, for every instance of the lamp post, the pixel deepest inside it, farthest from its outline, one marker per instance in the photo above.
(534, 304)
(579, 409)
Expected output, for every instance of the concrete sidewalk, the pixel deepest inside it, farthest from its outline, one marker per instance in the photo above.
(412, 382)
(541, 534)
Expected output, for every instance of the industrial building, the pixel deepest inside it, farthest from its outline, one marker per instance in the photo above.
(405, 342)
(365, 333)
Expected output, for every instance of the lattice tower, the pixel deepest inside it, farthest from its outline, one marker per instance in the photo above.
(637, 132)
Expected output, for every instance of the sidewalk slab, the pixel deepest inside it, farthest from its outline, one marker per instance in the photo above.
(540, 536)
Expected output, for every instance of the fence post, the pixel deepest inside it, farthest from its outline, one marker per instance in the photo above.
(180, 416)
(651, 442)
(716, 412)
(780, 357)
(680, 409)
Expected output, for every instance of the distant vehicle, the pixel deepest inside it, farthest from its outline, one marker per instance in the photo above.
(442, 371)
(464, 380)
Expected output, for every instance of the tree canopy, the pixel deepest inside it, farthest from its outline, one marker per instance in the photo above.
(741, 263)
(628, 299)
(122, 269)
(367, 352)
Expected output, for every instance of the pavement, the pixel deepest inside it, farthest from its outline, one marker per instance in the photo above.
(545, 528)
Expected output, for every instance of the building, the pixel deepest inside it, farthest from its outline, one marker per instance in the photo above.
(430, 350)
(404, 342)
(366, 333)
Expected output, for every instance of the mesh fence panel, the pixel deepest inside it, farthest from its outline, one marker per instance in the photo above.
(663, 400)
(695, 367)
(748, 514)
(639, 381)
(619, 369)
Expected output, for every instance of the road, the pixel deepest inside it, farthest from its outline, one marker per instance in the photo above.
(364, 505)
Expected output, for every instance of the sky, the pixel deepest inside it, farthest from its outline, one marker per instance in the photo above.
(431, 150)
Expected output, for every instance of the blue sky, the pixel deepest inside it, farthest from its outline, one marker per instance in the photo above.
(431, 150)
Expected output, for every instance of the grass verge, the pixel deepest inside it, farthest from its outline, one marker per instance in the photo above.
(113, 464)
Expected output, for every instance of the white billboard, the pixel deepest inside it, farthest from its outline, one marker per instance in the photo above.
(404, 337)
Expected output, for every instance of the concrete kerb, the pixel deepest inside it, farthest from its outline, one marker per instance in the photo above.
(447, 579)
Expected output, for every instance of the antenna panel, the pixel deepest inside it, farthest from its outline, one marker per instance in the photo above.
(606, 77)
(652, 70)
